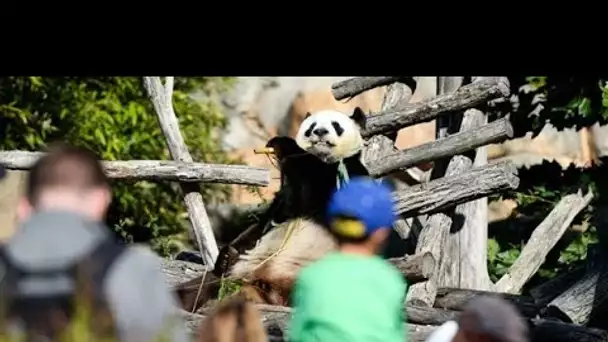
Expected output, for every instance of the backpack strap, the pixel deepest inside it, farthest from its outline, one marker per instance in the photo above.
(91, 274)
(102, 258)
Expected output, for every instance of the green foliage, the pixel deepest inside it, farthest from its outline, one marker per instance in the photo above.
(114, 117)
(228, 287)
(564, 102)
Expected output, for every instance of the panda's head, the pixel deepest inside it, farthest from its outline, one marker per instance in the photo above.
(331, 135)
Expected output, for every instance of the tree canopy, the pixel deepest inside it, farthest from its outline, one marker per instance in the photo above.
(114, 117)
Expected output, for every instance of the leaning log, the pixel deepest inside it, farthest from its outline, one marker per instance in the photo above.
(458, 143)
(161, 96)
(543, 239)
(157, 170)
(472, 95)
(447, 192)
(579, 302)
(357, 85)
(547, 291)
(457, 299)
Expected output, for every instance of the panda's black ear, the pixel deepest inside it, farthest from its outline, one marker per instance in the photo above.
(358, 116)
(307, 115)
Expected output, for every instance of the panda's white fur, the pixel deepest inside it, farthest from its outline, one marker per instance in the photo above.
(280, 254)
(283, 251)
(333, 145)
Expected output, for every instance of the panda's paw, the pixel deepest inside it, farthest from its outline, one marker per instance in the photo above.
(227, 256)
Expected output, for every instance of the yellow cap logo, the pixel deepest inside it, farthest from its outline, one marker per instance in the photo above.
(348, 227)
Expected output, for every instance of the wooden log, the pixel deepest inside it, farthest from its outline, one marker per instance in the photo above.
(415, 268)
(540, 329)
(578, 303)
(435, 233)
(277, 325)
(543, 239)
(472, 95)
(430, 241)
(397, 94)
(178, 272)
(161, 97)
(547, 291)
(464, 262)
(422, 321)
(357, 85)
(447, 192)
(157, 170)
(457, 299)
(550, 331)
(459, 143)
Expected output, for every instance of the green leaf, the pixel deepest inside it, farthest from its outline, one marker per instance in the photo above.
(584, 107)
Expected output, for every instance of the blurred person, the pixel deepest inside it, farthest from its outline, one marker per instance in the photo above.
(484, 319)
(233, 320)
(63, 256)
(353, 294)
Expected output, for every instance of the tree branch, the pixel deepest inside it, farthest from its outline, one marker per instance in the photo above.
(157, 170)
(461, 142)
(472, 95)
(357, 85)
(201, 227)
(450, 191)
(543, 239)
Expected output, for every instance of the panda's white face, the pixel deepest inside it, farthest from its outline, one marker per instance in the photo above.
(331, 135)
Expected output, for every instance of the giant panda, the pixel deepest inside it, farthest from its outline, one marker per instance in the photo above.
(325, 153)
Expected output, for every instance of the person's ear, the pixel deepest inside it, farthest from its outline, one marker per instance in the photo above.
(24, 209)
(380, 236)
(100, 200)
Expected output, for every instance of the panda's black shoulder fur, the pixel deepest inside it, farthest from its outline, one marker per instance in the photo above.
(307, 183)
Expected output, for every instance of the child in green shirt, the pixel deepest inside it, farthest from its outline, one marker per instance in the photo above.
(353, 294)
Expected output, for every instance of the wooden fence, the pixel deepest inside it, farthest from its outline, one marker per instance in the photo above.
(449, 266)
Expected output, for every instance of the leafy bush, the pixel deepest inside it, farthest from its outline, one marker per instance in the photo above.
(114, 117)
(564, 102)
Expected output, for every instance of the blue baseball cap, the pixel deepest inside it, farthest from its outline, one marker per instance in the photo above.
(363, 199)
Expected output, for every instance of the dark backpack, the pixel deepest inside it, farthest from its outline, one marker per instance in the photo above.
(45, 302)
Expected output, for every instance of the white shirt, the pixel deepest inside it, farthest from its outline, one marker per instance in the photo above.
(444, 333)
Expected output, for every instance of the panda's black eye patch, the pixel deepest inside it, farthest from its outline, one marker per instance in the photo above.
(338, 128)
(308, 132)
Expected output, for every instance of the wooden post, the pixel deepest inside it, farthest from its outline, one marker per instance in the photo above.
(162, 98)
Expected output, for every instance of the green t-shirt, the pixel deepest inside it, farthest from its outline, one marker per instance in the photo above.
(346, 297)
